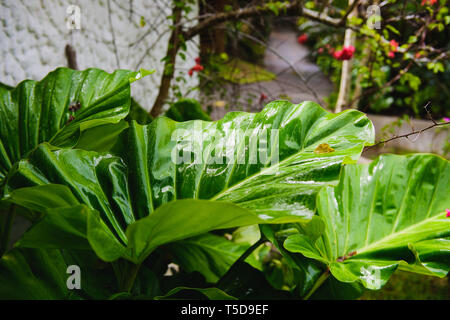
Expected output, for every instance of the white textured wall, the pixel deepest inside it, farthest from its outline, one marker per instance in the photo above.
(34, 33)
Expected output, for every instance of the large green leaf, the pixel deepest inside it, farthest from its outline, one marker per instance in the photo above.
(287, 186)
(42, 274)
(192, 293)
(67, 224)
(138, 113)
(306, 270)
(209, 254)
(247, 283)
(381, 216)
(134, 191)
(187, 109)
(58, 107)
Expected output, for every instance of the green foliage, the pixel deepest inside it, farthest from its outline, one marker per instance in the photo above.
(209, 254)
(39, 274)
(408, 286)
(131, 198)
(59, 107)
(187, 109)
(138, 114)
(237, 71)
(416, 73)
(373, 225)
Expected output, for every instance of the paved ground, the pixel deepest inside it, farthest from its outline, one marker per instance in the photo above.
(298, 78)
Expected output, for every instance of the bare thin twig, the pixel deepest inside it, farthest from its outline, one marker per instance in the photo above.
(428, 112)
(112, 34)
(418, 132)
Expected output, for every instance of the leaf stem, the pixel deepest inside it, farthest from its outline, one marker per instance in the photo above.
(6, 230)
(245, 255)
(128, 284)
(126, 273)
(324, 276)
(251, 249)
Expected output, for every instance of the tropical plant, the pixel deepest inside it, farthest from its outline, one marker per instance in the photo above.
(125, 207)
(380, 217)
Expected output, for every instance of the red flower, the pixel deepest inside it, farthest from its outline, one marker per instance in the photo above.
(337, 54)
(262, 97)
(391, 54)
(197, 67)
(302, 39)
(394, 45)
(345, 54)
(417, 55)
(448, 213)
(197, 60)
(350, 49)
(430, 2)
(320, 50)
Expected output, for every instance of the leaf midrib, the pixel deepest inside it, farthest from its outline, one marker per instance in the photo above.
(274, 167)
(394, 235)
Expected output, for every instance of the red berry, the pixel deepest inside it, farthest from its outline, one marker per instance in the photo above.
(345, 54)
(302, 39)
(394, 45)
(337, 55)
(431, 2)
(198, 67)
(262, 98)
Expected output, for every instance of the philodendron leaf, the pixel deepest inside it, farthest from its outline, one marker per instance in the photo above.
(44, 275)
(193, 293)
(388, 214)
(209, 254)
(58, 108)
(183, 219)
(307, 271)
(264, 162)
(138, 191)
(187, 109)
(247, 283)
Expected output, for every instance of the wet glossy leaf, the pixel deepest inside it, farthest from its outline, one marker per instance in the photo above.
(187, 109)
(59, 107)
(306, 271)
(209, 254)
(169, 160)
(192, 293)
(247, 283)
(42, 274)
(323, 148)
(134, 191)
(386, 215)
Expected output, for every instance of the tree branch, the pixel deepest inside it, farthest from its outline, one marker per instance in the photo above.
(293, 8)
(71, 56)
(435, 124)
(169, 65)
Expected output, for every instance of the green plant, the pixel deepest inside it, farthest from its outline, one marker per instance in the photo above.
(380, 217)
(145, 196)
(398, 66)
